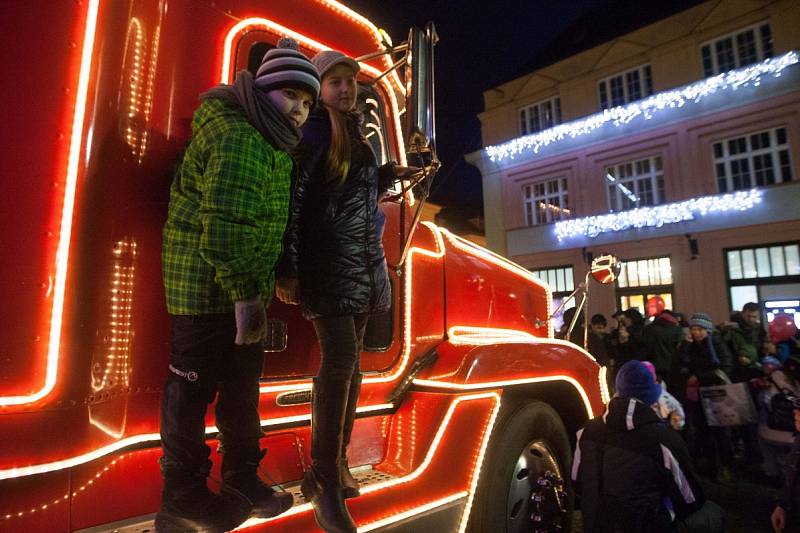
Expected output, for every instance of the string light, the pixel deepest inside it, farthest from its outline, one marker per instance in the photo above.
(657, 216)
(65, 497)
(644, 109)
(65, 228)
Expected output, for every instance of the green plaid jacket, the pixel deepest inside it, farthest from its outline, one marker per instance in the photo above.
(228, 210)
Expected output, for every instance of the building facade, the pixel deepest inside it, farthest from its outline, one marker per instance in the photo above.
(675, 147)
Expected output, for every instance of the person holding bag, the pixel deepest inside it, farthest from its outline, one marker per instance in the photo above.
(334, 267)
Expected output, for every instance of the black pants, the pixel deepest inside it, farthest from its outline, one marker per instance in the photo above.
(340, 341)
(203, 361)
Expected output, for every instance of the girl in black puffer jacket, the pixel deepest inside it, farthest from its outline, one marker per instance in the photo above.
(334, 267)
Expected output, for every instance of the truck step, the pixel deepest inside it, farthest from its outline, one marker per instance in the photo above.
(365, 475)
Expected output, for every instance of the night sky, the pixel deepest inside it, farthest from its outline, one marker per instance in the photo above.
(484, 44)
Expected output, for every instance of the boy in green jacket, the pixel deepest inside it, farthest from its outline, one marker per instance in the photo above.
(227, 215)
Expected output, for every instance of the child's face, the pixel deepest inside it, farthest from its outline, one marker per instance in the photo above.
(698, 333)
(338, 88)
(599, 329)
(294, 103)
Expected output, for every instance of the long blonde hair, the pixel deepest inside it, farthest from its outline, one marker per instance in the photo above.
(337, 164)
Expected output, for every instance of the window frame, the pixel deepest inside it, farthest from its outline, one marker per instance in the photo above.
(605, 90)
(645, 290)
(756, 281)
(525, 119)
(530, 213)
(713, 69)
(616, 197)
(774, 150)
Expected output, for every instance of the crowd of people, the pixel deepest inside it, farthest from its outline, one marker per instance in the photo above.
(660, 371)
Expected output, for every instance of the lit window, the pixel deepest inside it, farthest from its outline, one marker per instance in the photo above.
(560, 279)
(635, 184)
(735, 50)
(763, 262)
(625, 87)
(540, 116)
(753, 160)
(546, 201)
(641, 279)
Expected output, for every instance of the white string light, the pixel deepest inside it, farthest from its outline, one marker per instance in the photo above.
(656, 216)
(644, 109)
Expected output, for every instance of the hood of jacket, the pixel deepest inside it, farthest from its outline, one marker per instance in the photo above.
(628, 414)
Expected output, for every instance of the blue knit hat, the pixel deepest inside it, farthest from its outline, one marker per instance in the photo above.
(634, 380)
(701, 320)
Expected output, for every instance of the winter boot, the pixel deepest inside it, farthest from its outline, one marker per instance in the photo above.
(188, 505)
(349, 484)
(240, 482)
(322, 484)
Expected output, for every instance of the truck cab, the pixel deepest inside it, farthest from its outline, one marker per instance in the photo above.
(468, 403)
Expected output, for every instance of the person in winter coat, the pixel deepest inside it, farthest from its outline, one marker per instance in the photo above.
(702, 362)
(633, 472)
(627, 338)
(661, 339)
(227, 213)
(335, 268)
(747, 341)
(785, 517)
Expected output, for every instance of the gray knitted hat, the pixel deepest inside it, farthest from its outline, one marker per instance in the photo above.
(701, 320)
(285, 66)
(327, 59)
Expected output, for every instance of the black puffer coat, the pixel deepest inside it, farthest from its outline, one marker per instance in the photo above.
(333, 239)
(631, 470)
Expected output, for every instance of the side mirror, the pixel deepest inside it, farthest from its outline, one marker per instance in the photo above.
(420, 128)
(605, 269)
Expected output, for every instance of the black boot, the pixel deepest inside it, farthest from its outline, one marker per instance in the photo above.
(322, 484)
(188, 505)
(240, 481)
(349, 484)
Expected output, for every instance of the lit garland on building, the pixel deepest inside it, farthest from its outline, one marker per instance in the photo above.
(646, 109)
(657, 216)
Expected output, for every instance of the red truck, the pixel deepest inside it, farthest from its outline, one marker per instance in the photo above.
(468, 405)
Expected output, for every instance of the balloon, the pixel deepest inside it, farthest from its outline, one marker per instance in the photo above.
(782, 328)
(655, 305)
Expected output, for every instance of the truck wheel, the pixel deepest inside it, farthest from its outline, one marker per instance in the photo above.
(525, 479)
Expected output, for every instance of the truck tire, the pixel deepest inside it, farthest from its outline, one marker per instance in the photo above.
(525, 478)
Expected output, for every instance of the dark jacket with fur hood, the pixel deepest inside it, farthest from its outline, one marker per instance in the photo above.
(333, 242)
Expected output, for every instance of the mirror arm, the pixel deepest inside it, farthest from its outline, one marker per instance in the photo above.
(389, 51)
(388, 71)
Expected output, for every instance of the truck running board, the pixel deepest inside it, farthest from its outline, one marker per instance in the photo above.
(365, 475)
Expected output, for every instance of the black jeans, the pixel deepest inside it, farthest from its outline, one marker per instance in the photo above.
(203, 361)
(340, 341)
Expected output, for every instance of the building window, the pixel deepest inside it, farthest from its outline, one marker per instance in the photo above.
(635, 184)
(739, 49)
(626, 87)
(641, 279)
(753, 160)
(765, 262)
(562, 283)
(546, 201)
(769, 275)
(540, 116)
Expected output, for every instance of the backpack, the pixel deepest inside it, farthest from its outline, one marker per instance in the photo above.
(780, 415)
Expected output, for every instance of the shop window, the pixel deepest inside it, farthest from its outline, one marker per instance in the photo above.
(562, 283)
(737, 49)
(768, 275)
(641, 279)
